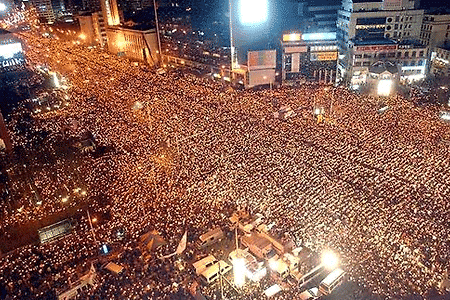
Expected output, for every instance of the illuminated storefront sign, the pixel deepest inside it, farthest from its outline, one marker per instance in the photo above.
(323, 56)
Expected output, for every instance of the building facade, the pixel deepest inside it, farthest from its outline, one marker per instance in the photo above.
(440, 63)
(362, 20)
(435, 30)
(310, 57)
(410, 57)
(92, 26)
(140, 45)
(44, 10)
(110, 12)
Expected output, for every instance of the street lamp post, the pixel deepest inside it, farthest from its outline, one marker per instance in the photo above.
(157, 30)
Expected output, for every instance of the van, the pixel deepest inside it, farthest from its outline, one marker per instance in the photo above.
(212, 273)
(204, 264)
(292, 261)
(211, 237)
(279, 267)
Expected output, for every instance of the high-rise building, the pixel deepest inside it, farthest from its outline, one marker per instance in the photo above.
(377, 23)
(91, 5)
(133, 43)
(110, 12)
(318, 16)
(92, 26)
(100, 28)
(44, 10)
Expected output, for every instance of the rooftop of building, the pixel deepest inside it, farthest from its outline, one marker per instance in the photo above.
(138, 26)
(445, 47)
(85, 13)
(316, 3)
(438, 11)
(366, 1)
(411, 43)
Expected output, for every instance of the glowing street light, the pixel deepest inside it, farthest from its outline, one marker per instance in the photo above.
(329, 260)
(82, 36)
(253, 12)
(239, 272)
(384, 87)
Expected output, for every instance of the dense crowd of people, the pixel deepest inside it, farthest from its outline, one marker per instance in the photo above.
(372, 187)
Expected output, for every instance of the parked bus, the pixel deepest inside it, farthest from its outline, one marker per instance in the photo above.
(332, 281)
(302, 280)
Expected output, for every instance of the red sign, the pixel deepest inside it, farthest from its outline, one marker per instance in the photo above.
(376, 48)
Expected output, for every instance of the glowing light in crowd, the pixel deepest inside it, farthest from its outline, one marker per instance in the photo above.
(384, 87)
(2, 7)
(253, 11)
(56, 80)
(239, 272)
(329, 260)
(445, 115)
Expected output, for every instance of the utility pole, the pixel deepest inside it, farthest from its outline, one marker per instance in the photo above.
(232, 50)
(157, 30)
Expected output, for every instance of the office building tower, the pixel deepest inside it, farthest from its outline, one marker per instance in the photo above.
(110, 12)
(44, 10)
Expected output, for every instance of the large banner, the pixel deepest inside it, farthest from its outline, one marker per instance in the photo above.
(258, 60)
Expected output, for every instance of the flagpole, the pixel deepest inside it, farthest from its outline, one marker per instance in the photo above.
(90, 223)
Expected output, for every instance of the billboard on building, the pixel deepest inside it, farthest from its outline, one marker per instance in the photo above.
(261, 77)
(9, 50)
(258, 60)
(299, 49)
(292, 37)
(323, 56)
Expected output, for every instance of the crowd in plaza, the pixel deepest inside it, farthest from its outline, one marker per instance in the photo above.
(373, 187)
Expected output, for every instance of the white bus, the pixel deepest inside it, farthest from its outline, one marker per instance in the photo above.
(332, 281)
(304, 279)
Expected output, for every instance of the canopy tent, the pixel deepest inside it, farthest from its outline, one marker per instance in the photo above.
(152, 240)
(115, 268)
